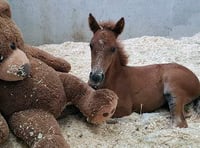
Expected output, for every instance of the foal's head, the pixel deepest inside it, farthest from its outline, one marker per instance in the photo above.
(105, 49)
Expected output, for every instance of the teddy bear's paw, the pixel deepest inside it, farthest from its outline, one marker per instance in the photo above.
(51, 141)
(3, 134)
(101, 115)
(4, 131)
(63, 65)
(106, 102)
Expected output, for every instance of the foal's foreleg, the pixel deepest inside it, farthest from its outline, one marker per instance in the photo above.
(176, 107)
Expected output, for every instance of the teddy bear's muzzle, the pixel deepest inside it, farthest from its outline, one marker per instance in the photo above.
(16, 67)
(16, 73)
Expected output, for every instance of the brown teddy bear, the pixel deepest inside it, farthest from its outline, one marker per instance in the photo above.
(34, 90)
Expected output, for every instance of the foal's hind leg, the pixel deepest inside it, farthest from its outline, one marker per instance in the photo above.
(176, 107)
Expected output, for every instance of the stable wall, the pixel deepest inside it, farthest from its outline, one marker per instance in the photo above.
(56, 21)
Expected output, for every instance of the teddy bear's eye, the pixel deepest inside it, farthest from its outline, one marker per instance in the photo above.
(1, 58)
(12, 46)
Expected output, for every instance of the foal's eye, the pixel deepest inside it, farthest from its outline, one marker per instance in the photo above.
(12, 46)
(1, 58)
(113, 49)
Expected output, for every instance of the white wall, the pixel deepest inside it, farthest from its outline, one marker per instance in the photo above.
(56, 21)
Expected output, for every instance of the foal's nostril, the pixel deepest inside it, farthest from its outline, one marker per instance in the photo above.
(113, 110)
(90, 75)
(102, 75)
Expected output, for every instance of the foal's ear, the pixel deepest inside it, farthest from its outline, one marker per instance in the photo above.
(119, 26)
(94, 26)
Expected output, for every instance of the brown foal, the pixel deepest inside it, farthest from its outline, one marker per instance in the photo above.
(142, 88)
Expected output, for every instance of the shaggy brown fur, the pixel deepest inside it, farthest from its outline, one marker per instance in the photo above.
(33, 93)
(140, 89)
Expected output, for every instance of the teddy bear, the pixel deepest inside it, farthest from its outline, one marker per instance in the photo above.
(35, 88)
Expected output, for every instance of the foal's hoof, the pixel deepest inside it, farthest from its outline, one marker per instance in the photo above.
(182, 124)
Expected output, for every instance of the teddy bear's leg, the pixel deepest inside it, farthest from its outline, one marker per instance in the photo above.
(4, 130)
(38, 129)
(57, 63)
(96, 105)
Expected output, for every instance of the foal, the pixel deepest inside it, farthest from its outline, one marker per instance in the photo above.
(142, 88)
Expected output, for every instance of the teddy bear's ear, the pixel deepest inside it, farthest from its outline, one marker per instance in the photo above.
(5, 8)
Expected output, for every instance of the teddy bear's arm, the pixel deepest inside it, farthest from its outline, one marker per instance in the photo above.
(38, 128)
(96, 105)
(57, 63)
(4, 130)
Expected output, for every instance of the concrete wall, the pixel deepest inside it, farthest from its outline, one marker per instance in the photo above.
(56, 21)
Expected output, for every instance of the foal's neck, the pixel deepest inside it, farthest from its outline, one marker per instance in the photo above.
(115, 71)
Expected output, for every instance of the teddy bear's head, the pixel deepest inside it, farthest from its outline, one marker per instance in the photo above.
(14, 64)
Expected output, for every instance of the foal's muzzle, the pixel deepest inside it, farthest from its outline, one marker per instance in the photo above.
(96, 78)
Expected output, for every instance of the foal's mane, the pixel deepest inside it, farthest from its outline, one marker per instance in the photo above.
(123, 57)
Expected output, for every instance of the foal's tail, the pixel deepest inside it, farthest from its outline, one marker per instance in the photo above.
(196, 105)
(193, 106)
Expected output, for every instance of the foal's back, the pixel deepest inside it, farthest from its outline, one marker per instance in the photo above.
(146, 88)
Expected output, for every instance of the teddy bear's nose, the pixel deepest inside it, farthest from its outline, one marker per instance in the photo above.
(24, 70)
